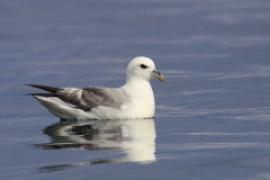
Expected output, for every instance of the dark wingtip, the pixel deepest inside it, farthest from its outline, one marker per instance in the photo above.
(45, 87)
(32, 85)
(41, 94)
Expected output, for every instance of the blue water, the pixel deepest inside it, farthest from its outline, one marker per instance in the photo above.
(213, 112)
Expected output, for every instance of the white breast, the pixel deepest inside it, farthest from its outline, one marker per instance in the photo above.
(142, 101)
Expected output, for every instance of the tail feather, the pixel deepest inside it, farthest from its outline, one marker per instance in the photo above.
(56, 106)
(45, 87)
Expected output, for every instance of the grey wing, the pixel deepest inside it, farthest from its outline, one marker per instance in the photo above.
(89, 98)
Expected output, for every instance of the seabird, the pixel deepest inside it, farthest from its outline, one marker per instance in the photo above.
(135, 99)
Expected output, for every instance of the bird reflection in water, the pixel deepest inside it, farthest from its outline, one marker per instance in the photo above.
(136, 138)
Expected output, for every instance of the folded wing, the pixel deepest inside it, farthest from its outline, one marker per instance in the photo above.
(89, 98)
(86, 98)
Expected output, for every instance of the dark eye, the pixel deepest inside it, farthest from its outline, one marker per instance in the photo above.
(143, 66)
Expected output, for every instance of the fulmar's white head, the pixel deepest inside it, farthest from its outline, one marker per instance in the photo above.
(143, 68)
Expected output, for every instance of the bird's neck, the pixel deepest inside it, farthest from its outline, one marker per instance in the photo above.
(140, 90)
(136, 84)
